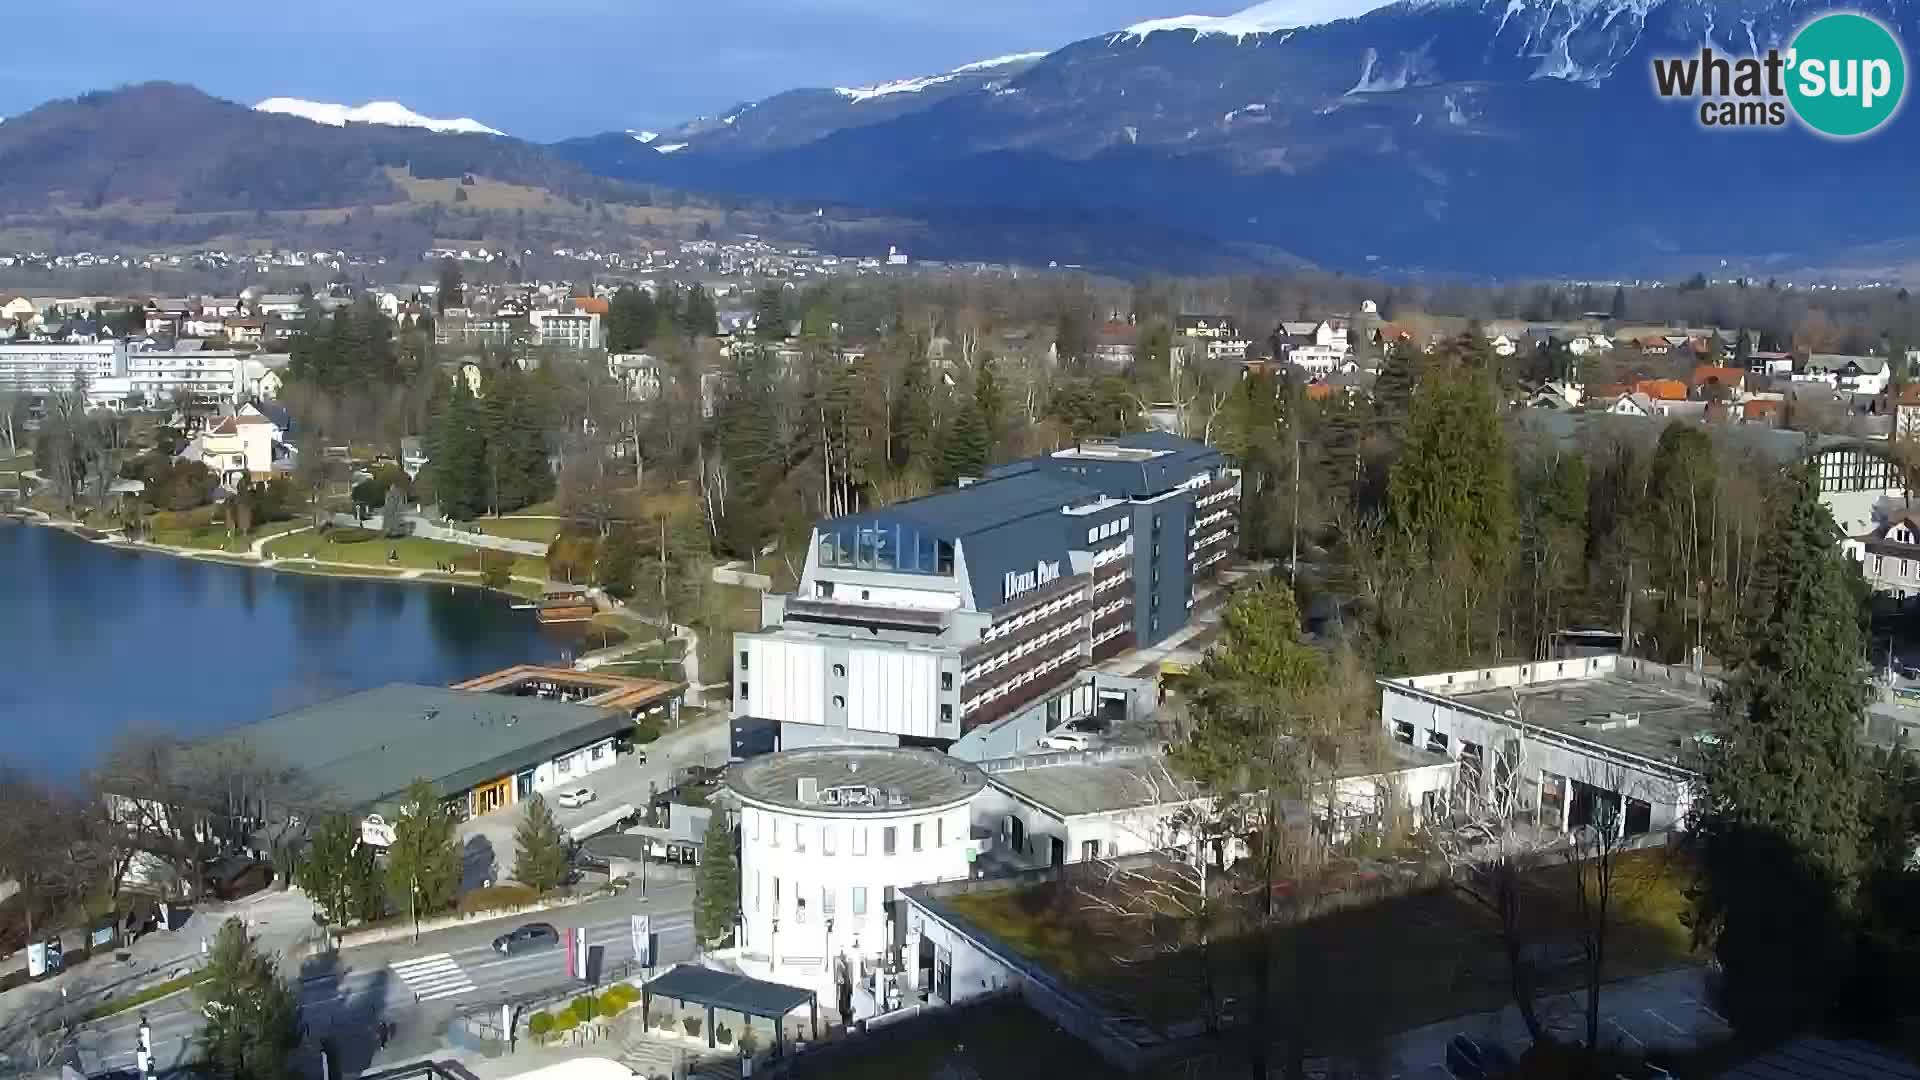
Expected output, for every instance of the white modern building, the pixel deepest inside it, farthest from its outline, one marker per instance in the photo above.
(46, 367)
(828, 837)
(566, 329)
(1586, 740)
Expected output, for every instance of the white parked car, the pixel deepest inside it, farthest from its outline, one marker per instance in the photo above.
(579, 796)
(1066, 740)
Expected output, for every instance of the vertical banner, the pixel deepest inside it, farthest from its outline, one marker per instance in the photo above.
(643, 940)
(580, 969)
(566, 940)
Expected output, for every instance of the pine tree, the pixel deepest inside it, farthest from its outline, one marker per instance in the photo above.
(631, 320)
(1393, 387)
(991, 400)
(1258, 674)
(252, 1020)
(964, 451)
(717, 889)
(540, 848)
(452, 285)
(1450, 489)
(340, 874)
(457, 446)
(423, 865)
(1782, 808)
(1618, 309)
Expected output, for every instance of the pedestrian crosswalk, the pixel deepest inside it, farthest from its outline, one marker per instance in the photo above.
(430, 977)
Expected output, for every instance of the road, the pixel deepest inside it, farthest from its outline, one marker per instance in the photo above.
(416, 987)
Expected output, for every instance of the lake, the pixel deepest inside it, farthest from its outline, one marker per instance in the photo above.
(95, 639)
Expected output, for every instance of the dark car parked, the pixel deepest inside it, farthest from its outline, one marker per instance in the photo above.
(532, 936)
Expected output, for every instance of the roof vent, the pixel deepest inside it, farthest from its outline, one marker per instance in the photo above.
(1614, 721)
(809, 790)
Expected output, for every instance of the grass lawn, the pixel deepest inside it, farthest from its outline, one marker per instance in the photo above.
(1000, 1040)
(538, 530)
(1363, 967)
(312, 570)
(151, 993)
(413, 553)
(211, 535)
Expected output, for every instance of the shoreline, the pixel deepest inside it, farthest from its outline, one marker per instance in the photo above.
(313, 568)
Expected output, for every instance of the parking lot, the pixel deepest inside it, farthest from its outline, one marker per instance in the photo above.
(1667, 1010)
(488, 840)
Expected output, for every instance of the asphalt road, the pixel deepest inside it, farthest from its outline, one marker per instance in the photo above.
(416, 987)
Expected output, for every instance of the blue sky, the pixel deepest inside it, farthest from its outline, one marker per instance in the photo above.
(539, 69)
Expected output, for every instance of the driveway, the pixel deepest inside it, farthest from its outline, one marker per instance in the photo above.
(488, 839)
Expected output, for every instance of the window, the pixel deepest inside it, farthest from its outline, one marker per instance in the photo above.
(839, 702)
(773, 834)
(563, 766)
(1092, 535)
(827, 902)
(799, 906)
(824, 590)
(916, 836)
(759, 887)
(776, 894)
(887, 839)
(745, 691)
(1403, 732)
(859, 899)
(826, 839)
(599, 751)
(946, 680)
(1437, 741)
(946, 713)
(839, 671)
(859, 840)
(759, 820)
(743, 660)
(940, 832)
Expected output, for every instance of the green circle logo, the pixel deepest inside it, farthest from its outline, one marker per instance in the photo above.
(1846, 75)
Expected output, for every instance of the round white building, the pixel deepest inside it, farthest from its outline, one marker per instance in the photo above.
(828, 836)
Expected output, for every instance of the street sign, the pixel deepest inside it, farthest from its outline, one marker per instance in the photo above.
(643, 940)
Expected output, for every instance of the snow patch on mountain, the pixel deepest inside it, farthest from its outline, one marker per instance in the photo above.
(387, 113)
(998, 62)
(671, 147)
(643, 136)
(1263, 18)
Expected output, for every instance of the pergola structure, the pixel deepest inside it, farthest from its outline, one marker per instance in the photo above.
(690, 983)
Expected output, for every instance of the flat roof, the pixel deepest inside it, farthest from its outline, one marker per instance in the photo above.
(616, 691)
(1620, 703)
(898, 779)
(726, 990)
(1074, 786)
(367, 747)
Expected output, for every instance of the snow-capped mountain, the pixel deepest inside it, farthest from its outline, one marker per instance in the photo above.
(1476, 135)
(389, 113)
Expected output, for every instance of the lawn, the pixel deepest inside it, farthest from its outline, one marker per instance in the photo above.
(1376, 959)
(410, 553)
(999, 1040)
(151, 993)
(318, 570)
(538, 530)
(210, 534)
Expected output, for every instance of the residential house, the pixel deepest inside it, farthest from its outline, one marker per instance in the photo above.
(21, 311)
(1502, 345)
(1114, 344)
(1860, 374)
(240, 447)
(1558, 395)
(1632, 404)
(1889, 556)
(1770, 363)
(1218, 327)
(244, 331)
(1662, 389)
(1906, 412)
(638, 372)
(167, 317)
(1709, 381)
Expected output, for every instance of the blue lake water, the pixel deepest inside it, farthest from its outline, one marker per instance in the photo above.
(95, 640)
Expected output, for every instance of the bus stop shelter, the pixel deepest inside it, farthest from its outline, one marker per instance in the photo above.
(690, 984)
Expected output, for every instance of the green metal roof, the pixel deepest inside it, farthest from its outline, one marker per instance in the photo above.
(367, 747)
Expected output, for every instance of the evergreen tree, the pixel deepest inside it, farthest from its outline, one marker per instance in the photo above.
(452, 286)
(1618, 309)
(991, 400)
(770, 313)
(1783, 806)
(717, 888)
(913, 420)
(1249, 686)
(631, 320)
(1393, 386)
(423, 865)
(698, 317)
(540, 848)
(340, 873)
(964, 451)
(1450, 490)
(252, 1023)
(457, 446)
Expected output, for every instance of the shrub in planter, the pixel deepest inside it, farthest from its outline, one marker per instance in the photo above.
(566, 1021)
(692, 1024)
(665, 1022)
(723, 1034)
(540, 1025)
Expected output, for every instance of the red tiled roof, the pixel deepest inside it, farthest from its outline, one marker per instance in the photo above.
(1662, 389)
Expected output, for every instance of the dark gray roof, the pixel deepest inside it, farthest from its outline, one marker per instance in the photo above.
(1825, 1059)
(922, 779)
(725, 990)
(367, 747)
(958, 512)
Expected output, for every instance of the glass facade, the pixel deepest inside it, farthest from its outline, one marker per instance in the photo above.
(884, 545)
